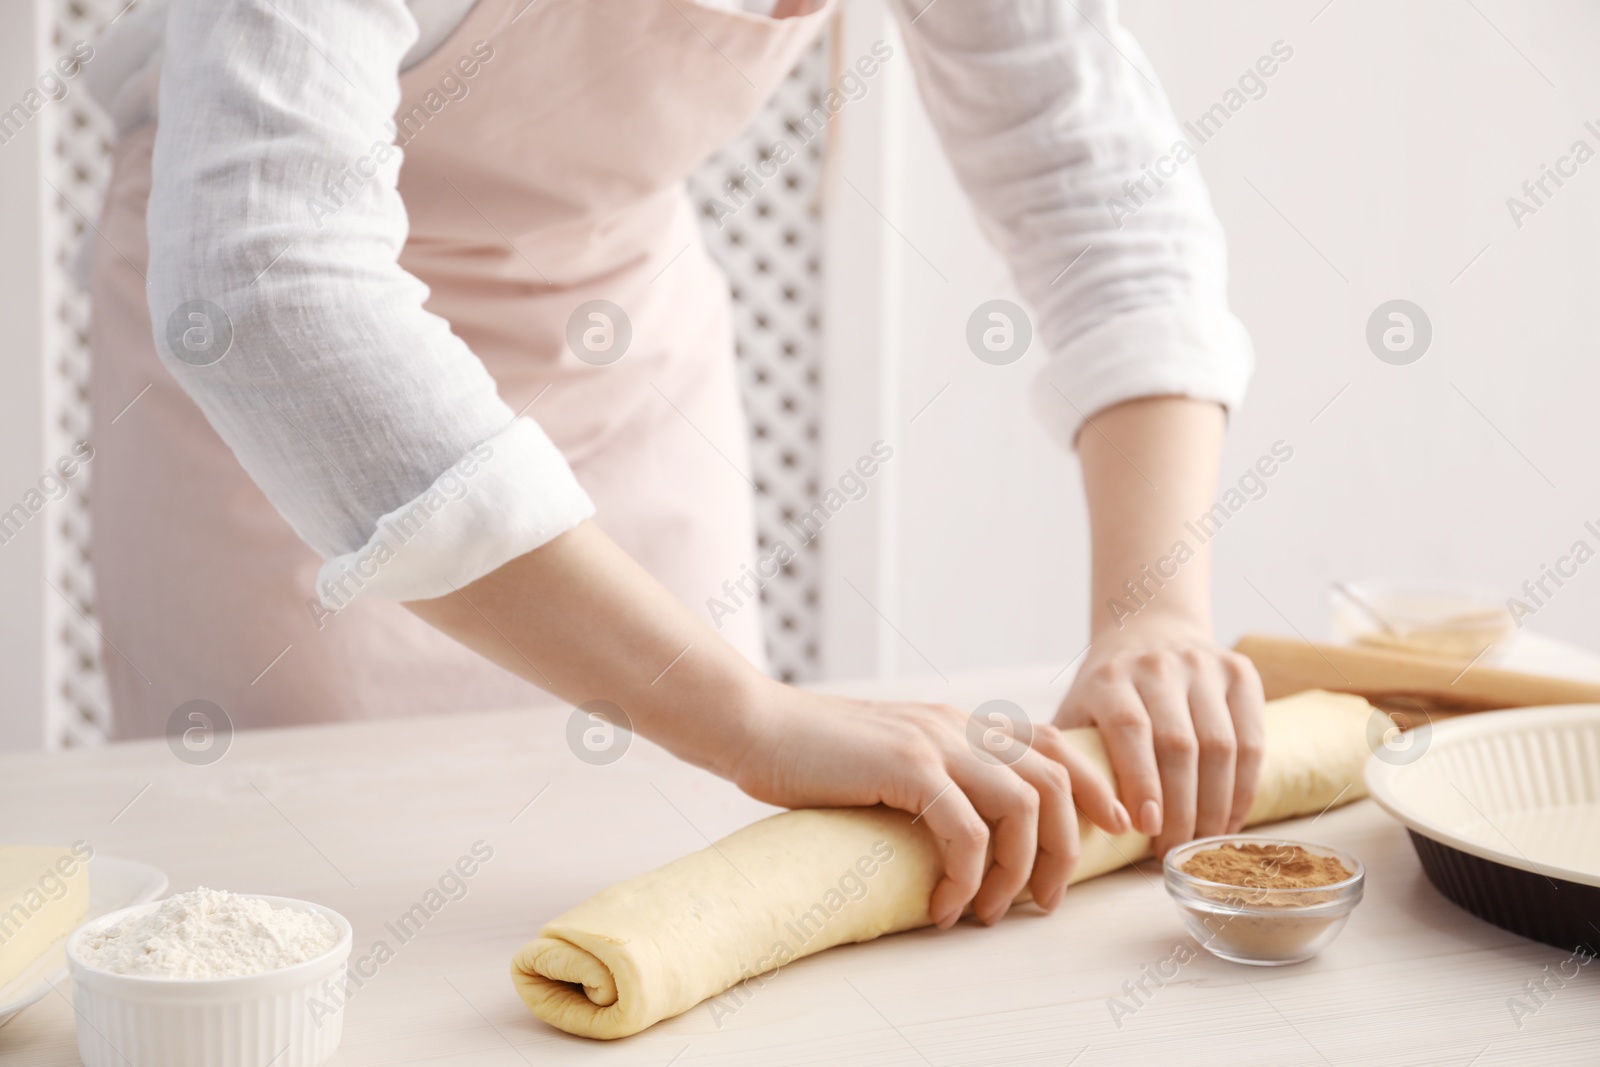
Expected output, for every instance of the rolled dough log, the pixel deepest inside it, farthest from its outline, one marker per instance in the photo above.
(803, 881)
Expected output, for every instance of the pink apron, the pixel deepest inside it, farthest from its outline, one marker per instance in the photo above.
(555, 181)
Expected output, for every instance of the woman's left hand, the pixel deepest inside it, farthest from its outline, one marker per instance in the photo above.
(1182, 720)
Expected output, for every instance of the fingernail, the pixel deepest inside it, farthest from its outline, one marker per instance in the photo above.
(1120, 819)
(1049, 904)
(1150, 818)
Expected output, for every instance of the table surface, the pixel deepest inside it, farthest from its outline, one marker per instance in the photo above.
(366, 817)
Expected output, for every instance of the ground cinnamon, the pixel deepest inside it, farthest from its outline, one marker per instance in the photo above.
(1274, 866)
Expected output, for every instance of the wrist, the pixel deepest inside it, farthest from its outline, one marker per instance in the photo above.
(753, 705)
(710, 717)
(1164, 622)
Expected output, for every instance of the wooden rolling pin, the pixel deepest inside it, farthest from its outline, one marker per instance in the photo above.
(1399, 680)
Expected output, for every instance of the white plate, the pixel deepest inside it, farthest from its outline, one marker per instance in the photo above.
(1520, 788)
(113, 884)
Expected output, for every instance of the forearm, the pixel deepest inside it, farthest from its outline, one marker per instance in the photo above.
(582, 619)
(579, 618)
(1149, 472)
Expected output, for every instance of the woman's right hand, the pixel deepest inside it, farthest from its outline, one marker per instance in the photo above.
(812, 750)
(599, 626)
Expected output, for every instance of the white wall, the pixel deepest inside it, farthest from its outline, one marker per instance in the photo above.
(1391, 141)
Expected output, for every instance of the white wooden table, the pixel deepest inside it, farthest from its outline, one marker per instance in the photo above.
(365, 818)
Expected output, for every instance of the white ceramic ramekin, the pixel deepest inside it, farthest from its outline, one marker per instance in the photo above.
(129, 1020)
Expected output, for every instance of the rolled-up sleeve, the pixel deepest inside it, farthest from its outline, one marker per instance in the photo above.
(1083, 180)
(371, 427)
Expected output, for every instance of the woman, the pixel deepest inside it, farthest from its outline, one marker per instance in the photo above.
(408, 366)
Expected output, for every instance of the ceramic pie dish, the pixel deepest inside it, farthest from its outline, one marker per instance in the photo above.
(1504, 810)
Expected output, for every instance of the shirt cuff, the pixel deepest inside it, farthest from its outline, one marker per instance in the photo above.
(505, 497)
(1197, 351)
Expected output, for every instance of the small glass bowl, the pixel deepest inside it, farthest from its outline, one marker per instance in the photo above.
(1257, 925)
(1453, 624)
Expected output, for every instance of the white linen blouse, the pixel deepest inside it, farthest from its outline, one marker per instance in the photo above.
(349, 403)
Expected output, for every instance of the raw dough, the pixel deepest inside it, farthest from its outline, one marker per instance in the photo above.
(803, 881)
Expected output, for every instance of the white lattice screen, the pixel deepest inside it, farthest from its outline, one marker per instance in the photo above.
(81, 711)
(771, 251)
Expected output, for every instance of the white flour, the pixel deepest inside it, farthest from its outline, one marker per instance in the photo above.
(209, 933)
